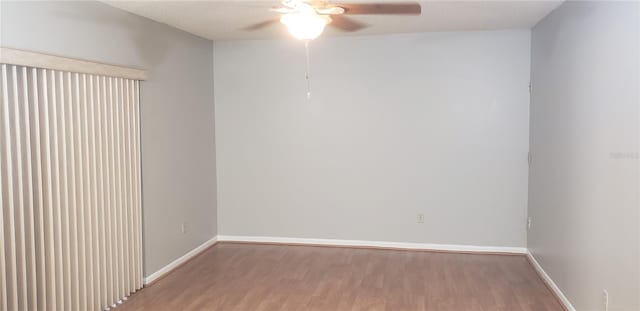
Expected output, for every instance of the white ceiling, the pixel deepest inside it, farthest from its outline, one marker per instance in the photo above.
(225, 19)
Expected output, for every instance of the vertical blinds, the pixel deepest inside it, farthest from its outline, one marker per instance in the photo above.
(70, 227)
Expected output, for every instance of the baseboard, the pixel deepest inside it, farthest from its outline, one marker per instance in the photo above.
(375, 244)
(552, 285)
(176, 263)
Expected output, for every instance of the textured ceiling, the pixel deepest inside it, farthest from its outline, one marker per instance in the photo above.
(225, 19)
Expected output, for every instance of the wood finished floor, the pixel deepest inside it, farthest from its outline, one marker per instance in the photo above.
(252, 277)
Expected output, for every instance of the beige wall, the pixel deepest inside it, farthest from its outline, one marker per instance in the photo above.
(178, 148)
(583, 195)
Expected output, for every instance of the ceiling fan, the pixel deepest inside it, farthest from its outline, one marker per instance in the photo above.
(306, 19)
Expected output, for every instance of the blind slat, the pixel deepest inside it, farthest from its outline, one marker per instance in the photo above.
(49, 200)
(3, 267)
(20, 222)
(73, 91)
(39, 227)
(29, 213)
(64, 95)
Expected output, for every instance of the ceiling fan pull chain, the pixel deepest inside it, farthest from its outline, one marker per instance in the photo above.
(306, 46)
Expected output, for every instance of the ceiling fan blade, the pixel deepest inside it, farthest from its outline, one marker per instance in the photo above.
(261, 25)
(332, 10)
(405, 8)
(346, 24)
(281, 10)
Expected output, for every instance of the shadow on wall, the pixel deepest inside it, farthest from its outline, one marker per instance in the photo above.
(151, 49)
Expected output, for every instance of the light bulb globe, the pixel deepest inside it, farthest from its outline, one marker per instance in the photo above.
(305, 26)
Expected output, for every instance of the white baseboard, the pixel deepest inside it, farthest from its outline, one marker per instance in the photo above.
(174, 264)
(331, 242)
(375, 244)
(547, 279)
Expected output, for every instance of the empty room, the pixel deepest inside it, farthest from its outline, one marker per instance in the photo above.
(255, 155)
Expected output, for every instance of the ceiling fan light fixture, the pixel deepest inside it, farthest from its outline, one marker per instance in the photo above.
(305, 25)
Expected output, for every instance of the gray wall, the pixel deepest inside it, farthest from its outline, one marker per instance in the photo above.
(583, 195)
(178, 151)
(397, 125)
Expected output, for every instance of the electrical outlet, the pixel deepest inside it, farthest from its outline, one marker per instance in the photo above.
(420, 218)
(528, 223)
(183, 227)
(605, 299)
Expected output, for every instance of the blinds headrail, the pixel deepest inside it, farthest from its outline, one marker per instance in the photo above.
(48, 61)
